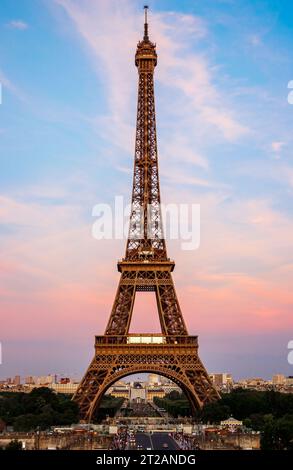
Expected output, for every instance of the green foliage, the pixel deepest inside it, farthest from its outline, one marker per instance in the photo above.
(40, 408)
(108, 407)
(278, 434)
(215, 412)
(270, 413)
(252, 405)
(174, 403)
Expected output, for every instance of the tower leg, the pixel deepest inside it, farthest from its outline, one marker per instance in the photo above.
(121, 314)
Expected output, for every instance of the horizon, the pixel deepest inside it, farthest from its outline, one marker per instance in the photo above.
(67, 129)
(138, 377)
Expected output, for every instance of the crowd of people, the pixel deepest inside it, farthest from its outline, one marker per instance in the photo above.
(120, 440)
(141, 409)
(185, 442)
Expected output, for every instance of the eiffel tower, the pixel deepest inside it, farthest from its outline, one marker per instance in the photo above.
(173, 353)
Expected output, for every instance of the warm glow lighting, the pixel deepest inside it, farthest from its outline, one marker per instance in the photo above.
(146, 339)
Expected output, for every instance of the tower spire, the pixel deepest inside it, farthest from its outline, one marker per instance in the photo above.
(146, 26)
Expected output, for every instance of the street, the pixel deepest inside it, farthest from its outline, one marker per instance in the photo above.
(155, 441)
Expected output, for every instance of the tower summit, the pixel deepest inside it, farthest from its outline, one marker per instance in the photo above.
(146, 35)
(146, 50)
(172, 353)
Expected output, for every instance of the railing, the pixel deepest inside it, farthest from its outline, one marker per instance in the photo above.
(145, 338)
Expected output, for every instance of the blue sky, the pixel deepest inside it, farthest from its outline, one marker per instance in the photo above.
(66, 142)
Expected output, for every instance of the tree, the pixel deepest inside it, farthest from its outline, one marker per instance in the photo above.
(278, 434)
(215, 412)
(2, 425)
(42, 407)
(14, 445)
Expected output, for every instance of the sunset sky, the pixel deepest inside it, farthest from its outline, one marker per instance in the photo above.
(225, 135)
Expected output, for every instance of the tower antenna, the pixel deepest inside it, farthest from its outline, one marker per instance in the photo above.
(146, 33)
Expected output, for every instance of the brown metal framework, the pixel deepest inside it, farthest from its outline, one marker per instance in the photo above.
(145, 267)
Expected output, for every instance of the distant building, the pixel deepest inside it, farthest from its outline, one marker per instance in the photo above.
(120, 392)
(43, 380)
(16, 380)
(69, 388)
(278, 379)
(154, 379)
(256, 383)
(222, 380)
(137, 392)
(65, 380)
(289, 380)
(153, 392)
(231, 423)
(165, 381)
(64, 388)
(170, 387)
(29, 380)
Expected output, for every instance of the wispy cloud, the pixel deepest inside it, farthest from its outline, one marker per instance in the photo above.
(10, 86)
(18, 24)
(255, 39)
(277, 148)
(193, 104)
(287, 175)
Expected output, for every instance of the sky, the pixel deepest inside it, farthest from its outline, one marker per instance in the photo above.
(67, 128)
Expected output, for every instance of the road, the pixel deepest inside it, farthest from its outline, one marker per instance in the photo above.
(143, 440)
(155, 441)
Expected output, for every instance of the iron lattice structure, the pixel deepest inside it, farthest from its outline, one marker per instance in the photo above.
(145, 267)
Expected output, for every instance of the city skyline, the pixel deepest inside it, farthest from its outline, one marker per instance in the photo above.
(144, 377)
(133, 377)
(68, 138)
